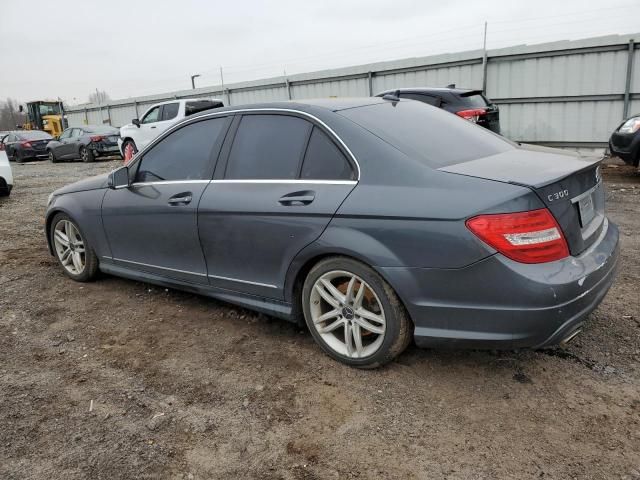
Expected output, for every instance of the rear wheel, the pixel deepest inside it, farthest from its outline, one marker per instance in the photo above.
(17, 157)
(86, 155)
(72, 250)
(129, 149)
(353, 314)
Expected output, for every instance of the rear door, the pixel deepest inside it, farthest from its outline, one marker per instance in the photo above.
(281, 183)
(62, 146)
(152, 225)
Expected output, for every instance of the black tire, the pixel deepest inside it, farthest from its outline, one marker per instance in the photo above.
(52, 157)
(86, 155)
(17, 157)
(399, 327)
(90, 270)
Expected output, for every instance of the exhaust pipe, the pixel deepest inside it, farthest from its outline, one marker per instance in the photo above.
(571, 336)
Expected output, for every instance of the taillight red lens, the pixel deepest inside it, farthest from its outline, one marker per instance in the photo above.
(25, 144)
(527, 237)
(472, 114)
(97, 138)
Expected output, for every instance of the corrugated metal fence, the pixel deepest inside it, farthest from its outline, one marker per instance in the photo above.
(568, 93)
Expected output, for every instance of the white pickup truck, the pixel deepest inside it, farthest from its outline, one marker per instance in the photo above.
(159, 117)
(6, 177)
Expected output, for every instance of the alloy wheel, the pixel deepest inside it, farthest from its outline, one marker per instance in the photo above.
(84, 154)
(347, 314)
(129, 152)
(69, 247)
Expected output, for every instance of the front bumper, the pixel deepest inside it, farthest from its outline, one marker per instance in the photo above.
(120, 147)
(500, 303)
(105, 149)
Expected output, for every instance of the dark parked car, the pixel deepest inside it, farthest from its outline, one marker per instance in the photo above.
(85, 143)
(374, 221)
(466, 103)
(26, 145)
(625, 141)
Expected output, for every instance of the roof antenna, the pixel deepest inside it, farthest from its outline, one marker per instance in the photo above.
(394, 97)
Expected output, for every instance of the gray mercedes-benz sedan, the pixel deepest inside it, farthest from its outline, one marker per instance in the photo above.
(373, 221)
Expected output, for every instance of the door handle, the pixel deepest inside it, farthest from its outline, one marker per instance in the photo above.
(180, 199)
(153, 126)
(297, 198)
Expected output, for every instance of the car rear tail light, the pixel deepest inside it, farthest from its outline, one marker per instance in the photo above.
(527, 237)
(472, 115)
(97, 138)
(25, 144)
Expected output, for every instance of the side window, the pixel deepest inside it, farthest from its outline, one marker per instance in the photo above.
(152, 116)
(200, 105)
(267, 147)
(170, 111)
(184, 154)
(77, 132)
(324, 160)
(428, 99)
(66, 133)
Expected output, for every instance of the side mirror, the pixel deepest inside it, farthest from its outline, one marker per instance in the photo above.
(119, 178)
(136, 122)
(20, 108)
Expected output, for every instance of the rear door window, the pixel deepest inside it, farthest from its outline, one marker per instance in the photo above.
(185, 154)
(268, 147)
(170, 111)
(196, 106)
(324, 160)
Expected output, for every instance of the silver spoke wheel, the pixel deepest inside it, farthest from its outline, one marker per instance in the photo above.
(347, 314)
(69, 247)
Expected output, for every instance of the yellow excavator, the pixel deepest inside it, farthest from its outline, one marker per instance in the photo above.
(45, 115)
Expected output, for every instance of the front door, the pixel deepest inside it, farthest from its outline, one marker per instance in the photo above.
(152, 225)
(271, 202)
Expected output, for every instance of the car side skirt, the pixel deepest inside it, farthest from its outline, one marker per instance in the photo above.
(264, 305)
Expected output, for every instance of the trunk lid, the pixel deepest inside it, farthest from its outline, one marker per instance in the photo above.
(569, 185)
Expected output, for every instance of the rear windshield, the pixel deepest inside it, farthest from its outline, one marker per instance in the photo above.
(200, 105)
(34, 135)
(433, 136)
(475, 100)
(101, 129)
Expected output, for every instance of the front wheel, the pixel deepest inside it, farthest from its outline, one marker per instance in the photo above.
(52, 157)
(353, 314)
(86, 155)
(72, 250)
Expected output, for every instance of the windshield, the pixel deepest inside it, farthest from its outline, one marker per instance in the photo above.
(475, 100)
(49, 109)
(433, 136)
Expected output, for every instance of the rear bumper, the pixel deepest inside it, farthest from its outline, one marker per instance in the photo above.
(27, 153)
(625, 146)
(499, 303)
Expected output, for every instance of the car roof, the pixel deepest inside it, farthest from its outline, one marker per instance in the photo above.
(186, 100)
(306, 105)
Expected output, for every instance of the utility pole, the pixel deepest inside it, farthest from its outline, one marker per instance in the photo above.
(484, 60)
(222, 79)
(193, 83)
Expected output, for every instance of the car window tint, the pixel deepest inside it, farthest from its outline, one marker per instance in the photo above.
(476, 100)
(184, 154)
(428, 99)
(152, 116)
(268, 147)
(76, 133)
(170, 111)
(324, 160)
(432, 136)
(66, 133)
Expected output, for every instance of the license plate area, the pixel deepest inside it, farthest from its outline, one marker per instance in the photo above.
(586, 210)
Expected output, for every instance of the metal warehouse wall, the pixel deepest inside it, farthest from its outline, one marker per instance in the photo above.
(567, 93)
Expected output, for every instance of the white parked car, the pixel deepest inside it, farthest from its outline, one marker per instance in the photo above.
(139, 133)
(6, 177)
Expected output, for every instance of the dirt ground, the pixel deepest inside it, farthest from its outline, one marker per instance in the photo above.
(117, 379)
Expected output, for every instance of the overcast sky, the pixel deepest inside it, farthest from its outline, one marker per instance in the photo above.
(127, 48)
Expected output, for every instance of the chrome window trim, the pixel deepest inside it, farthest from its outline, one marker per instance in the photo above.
(245, 110)
(288, 181)
(268, 285)
(168, 182)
